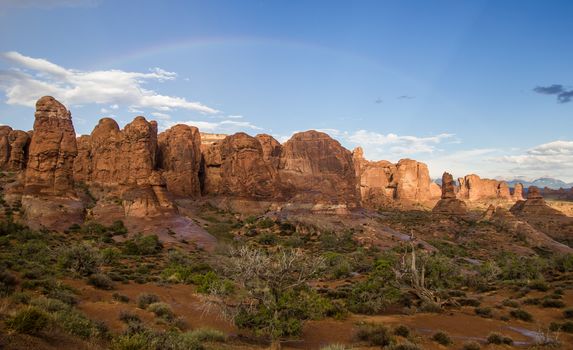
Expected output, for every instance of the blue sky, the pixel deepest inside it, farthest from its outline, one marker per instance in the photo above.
(466, 86)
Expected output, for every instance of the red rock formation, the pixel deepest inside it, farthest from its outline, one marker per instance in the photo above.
(180, 160)
(13, 149)
(316, 169)
(518, 192)
(271, 149)
(384, 184)
(4, 146)
(449, 204)
(474, 188)
(236, 167)
(52, 150)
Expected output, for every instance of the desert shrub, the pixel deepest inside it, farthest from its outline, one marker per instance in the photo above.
(29, 320)
(521, 315)
(563, 262)
(568, 313)
(144, 299)
(337, 265)
(441, 272)
(471, 345)
(265, 223)
(21, 298)
(442, 338)
(532, 301)
(110, 255)
(210, 281)
(539, 285)
(511, 303)
(516, 267)
(82, 259)
(161, 310)
(552, 303)
(7, 284)
(334, 347)
(117, 228)
(77, 324)
(128, 316)
(483, 312)
(498, 339)
(374, 334)
(100, 281)
(402, 331)
(49, 304)
(404, 346)
(142, 245)
(137, 341)
(207, 335)
(120, 297)
(268, 239)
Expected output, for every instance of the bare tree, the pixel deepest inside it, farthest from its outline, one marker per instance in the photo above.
(264, 279)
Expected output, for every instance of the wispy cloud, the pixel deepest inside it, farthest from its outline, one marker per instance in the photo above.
(397, 144)
(36, 77)
(225, 126)
(563, 94)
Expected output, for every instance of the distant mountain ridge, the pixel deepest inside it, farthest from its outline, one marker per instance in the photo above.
(541, 182)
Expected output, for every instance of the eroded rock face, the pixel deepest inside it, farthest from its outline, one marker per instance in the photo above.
(236, 167)
(314, 168)
(180, 160)
(52, 151)
(385, 184)
(474, 188)
(271, 149)
(13, 149)
(518, 192)
(449, 204)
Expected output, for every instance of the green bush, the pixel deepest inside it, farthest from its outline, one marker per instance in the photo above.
(521, 315)
(77, 324)
(100, 281)
(29, 320)
(485, 312)
(471, 345)
(402, 331)
(539, 285)
(207, 335)
(268, 239)
(144, 299)
(142, 245)
(7, 284)
(498, 339)
(162, 310)
(374, 334)
(404, 346)
(511, 303)
(82, 259)
(211, 281)
(552, 303)
(469, 302)
(442, 338)
(128, 316)
(120, 297)
(49, 304)
(110, 255)
(135, 341)
(334, 347)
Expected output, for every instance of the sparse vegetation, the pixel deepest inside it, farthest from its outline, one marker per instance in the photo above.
(442, 338)
(29, 320)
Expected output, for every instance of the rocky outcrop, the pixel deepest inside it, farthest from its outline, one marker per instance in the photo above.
(449, 204)
(180, 160)
(535, 205)
(236, 167)
(504, 219)
(474, 188)
(316, 169)
(385, 184)
(52, 151)
(517, 194)
(14, 146)
(271, 149)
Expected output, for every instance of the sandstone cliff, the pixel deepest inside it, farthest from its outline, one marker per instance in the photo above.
(449, 204)
(474, 188)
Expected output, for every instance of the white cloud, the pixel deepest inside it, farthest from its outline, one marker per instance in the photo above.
(104, 110)
(235, 117)
(160, 115)
(115, 106)
(400, 145)
(224, 126)
(37, 77)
